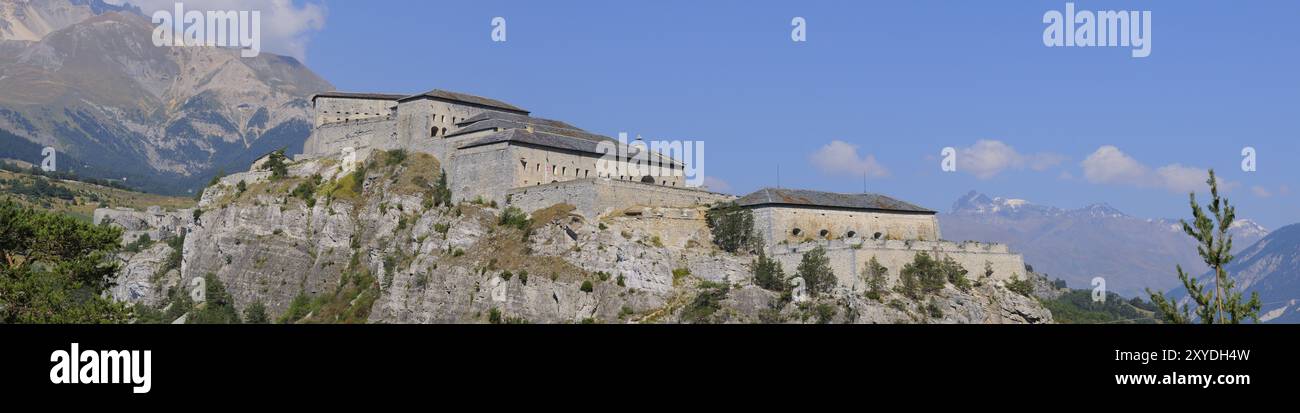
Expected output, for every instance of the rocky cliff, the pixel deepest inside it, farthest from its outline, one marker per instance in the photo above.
(332, 244)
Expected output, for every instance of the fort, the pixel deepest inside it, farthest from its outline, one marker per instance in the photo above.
(496, 152)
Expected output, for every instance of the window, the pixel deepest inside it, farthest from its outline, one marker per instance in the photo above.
(796, 231)
(851, 234)
(824, 233)
(433, 132)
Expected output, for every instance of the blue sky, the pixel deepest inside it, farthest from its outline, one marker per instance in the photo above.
(897, 81)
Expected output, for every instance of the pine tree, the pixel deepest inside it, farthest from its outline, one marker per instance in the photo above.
(815, 269)
(55, 269)
(442, 191)
(768, 273)
(875, 277)
(732, 227)
(1220, 304)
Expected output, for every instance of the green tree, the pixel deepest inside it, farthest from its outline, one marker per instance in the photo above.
(874, 275)
(255, 313)
(441, 190)
(218, 306)
(815, 269)
(955, 273)
(56, 269)
(732, 227)
(276, 164)
(768, 273)
(1221, 304)
(927, 274)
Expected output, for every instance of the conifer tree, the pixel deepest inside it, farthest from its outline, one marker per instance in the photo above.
(1217, 303)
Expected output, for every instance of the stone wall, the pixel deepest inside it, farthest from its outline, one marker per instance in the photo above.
(848, 258)
(594, 197)
(331, 110)
(331, 139)
(492, 171)
(672, 227)
(423, 124)
(482, 172)
(777, 225)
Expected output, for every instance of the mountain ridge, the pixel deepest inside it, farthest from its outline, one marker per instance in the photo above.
(1098, 240)
(162, 118)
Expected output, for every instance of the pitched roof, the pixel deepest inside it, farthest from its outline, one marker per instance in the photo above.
(809, 198)
(502, 120)
(350, 95)
(473, 100)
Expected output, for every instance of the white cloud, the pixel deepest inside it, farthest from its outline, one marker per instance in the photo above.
(1260, 191)
(286, 27)
(1110, 165)
(841, 158)
(716, 184)
(988, 158)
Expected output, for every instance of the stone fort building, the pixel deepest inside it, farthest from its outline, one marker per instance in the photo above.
(499, 152)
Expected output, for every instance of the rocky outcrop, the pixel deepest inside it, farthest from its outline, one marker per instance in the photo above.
(380, 252)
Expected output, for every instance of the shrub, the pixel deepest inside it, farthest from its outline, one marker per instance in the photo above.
(240, 187)
(705, 305)
(306, 190)
(394, 157)
(255, 313)
(586, 287)
(514, 217)
(298, 308)
(933, 309)
(494, 316)
(825, 313)
(1023, 287)
(678, 274)
(140, 244)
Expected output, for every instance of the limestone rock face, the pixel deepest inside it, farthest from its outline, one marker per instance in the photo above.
(138, 280)
(387, 255)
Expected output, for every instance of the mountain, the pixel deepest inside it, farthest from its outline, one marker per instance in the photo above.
(84, 77)
(1271, 267)
(1076, 245)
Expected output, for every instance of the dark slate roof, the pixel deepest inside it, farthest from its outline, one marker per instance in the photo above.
(551, 140)
(514, 117)
(349, 95)
(808, 198)
(466, 98)
(500, 121)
